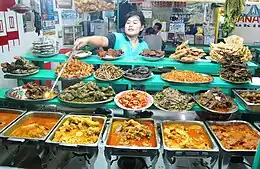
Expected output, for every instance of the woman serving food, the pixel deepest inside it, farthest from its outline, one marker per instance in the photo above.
(129, 41)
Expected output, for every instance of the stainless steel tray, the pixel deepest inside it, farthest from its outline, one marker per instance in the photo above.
(17, 111)
(16, 124)
(131, 147)
(249, 106)
(243, 152)
(257, 125)
(51, 136)
(190, 152)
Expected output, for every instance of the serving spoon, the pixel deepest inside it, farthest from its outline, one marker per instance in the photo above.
(49, 94)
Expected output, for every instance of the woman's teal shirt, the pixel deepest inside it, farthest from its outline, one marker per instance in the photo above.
(122, 42)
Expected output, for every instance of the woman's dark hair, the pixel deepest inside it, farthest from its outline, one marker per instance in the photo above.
(136, 13)
(150, 31)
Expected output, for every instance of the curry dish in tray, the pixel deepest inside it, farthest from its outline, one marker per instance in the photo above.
(186, 136)
(34, 127)
(79, 130)
(6, 118)
(132, 133)
(236, 136)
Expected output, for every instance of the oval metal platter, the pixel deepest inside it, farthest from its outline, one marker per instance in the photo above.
(21, 75)
(138, 79)
(231, 111)
(152, 58)
(75, 78)
(175, 111)
(173, 81)
(229, 81)
(86, 103)
(150, 98)
(45, 56)
(18, 94)
(105, 80)
(187, 62)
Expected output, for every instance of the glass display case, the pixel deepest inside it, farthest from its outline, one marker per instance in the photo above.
(71, 33)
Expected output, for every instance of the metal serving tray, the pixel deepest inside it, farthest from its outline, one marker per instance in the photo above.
(122, 148)
(249, 106)
(190, 152)
(243, 152)
(231, 111)
(257, 125)
(17, 111)
(27, 115)
(51, 136)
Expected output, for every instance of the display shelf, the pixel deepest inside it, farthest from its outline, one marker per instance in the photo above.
(202, 66)
(154, 81)
(107, 105)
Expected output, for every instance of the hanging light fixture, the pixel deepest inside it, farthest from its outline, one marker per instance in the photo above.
(20, 8)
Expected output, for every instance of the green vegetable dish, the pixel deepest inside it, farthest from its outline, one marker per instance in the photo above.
(170, 99)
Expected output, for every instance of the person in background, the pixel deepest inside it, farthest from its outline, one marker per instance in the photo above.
(154, 41)
(157, 27)
(128, 41)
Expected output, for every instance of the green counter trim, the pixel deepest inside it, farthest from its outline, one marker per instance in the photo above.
(203, 66)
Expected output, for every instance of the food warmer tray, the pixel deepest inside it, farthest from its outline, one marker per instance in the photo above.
(12, 127)
(20, 112)
(242, 152)
(249, 106)
(131, 149)
(190, 152)
(81, 147)
(257, 125)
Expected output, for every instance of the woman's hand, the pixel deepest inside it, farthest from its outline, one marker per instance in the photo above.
(81, 42)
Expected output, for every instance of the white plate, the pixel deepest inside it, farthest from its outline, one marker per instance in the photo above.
(80, 55)
(110, 57)
(105, 80)
(149, 97)
(21, 75)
